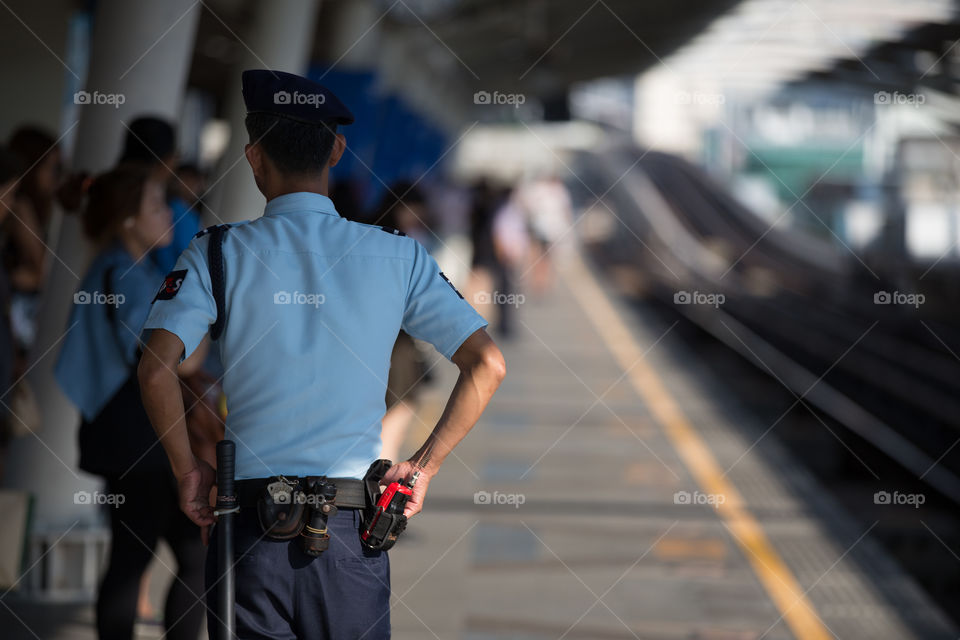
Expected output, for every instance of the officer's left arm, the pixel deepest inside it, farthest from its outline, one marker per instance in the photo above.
(436, 312)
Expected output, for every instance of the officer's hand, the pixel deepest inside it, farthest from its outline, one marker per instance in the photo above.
(402, 472)
(194, 487)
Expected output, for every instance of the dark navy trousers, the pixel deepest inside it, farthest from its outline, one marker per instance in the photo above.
(284, 594)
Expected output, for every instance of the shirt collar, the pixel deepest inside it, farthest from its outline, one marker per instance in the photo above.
(299, 202)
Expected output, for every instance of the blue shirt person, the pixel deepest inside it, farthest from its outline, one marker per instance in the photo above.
(312, 306)
(100, 350)
(186, 224)
(126, 215)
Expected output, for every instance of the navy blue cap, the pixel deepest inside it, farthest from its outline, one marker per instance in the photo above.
(291, 96)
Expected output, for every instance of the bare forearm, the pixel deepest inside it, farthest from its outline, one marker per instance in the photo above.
(164, 405)
(467, 401)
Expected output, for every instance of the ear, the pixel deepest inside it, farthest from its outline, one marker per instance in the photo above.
(255, 158)
(339, 146)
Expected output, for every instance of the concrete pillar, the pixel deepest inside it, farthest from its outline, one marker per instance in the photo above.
(352, 35)
(141, 51)
(33, 42)
(281, 38)
(433, 91)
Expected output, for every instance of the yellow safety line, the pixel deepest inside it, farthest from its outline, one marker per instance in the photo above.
(772, 571)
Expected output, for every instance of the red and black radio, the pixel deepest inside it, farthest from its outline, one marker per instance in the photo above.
(385, 521)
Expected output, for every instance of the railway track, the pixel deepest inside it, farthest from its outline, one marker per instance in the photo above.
(801, 312)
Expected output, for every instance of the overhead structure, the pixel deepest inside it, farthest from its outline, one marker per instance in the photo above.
(763, 45)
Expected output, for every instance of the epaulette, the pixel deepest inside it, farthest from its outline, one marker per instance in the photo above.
(395, 232)
(209, 229)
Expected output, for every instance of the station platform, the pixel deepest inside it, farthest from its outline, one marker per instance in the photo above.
(633, 500)
(614, 490)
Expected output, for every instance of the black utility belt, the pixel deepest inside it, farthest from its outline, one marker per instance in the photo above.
(291, 506)
(349, 494)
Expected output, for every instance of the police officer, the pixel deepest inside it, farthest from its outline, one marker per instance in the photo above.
(306, 306)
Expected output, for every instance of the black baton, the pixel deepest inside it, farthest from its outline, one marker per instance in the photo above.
(226, 508)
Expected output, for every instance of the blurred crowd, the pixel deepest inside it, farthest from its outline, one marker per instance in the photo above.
(137, 217)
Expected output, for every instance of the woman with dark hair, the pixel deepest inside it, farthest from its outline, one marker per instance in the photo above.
(152, 142)
(33, 209)
(125, 217)
(10, 172)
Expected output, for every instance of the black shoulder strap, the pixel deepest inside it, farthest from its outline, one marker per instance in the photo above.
(217, 282)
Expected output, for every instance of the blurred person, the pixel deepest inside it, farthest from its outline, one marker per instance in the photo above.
(26, 229)
(42, 186)
(481, 224)
(346, 195)
(11, 169)
(11, 172)
(190, 186)
(185, 198)
(125, 216)
(511, 242)
(500, 246)
(307, 389)
(484, 263)
(404, 208)
(152, 142)
(25, 250)
(406, 212)
(549, 210)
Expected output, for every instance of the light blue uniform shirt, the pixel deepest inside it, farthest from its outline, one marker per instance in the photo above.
(314, 303)
(99, 354)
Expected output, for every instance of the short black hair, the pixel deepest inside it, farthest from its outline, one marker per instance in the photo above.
(149, 140)
(294, 147)
(11, 166)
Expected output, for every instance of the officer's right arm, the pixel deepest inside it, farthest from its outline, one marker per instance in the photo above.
(180, 317)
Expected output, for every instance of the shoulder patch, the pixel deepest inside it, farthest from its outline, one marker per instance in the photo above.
(395, 232)
(204, 232)
(444, 276)
(171, 285)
